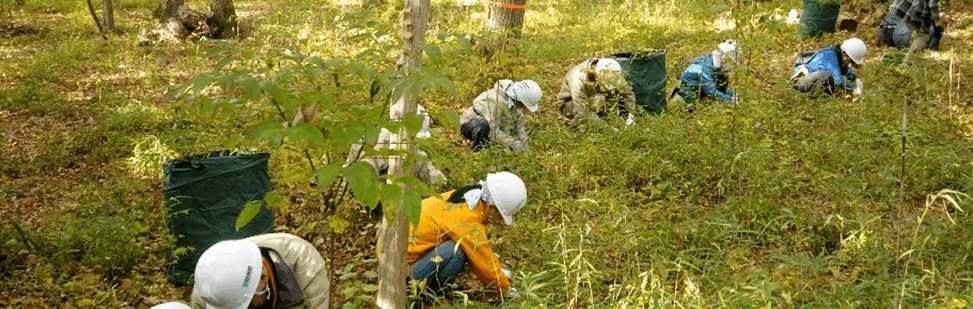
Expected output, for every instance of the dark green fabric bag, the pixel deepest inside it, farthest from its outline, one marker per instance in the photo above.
(646, 71)
(204, 195)
(819, 18)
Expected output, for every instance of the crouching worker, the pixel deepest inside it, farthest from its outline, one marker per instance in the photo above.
(461, 218)
(895, 33)
(497, 115)
(829, 69)
(595, 89)
(707, 77)
(264, 271)
(920, 16)
(427, 172)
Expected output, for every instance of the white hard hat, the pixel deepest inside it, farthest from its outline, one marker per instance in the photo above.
(171, 305)
(609, 73)
(527, 92)
(228, 273)
(730, 49)
(855, 49)
(508, 193)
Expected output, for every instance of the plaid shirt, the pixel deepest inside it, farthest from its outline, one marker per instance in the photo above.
(917, 14)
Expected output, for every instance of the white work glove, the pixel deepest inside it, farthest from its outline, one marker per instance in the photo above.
(517, 146)
(630, 121)
(511, 293)
(859, 87)
(506, 273)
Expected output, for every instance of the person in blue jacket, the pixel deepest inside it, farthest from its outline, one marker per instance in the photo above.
(707, 76)
(829, 70)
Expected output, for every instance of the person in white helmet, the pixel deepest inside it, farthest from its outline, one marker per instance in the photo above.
(497, 115)
(264, 271)
(461, 218)
(427, 172)
(829, 70)
(594, 90)
(707, 76)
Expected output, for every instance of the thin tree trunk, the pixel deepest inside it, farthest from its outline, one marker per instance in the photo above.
(109, 13)
(507, 16)
(224, 19)
(392, 266)
(91, 8)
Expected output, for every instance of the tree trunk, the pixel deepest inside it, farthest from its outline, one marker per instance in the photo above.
(109, 14)
(94, 15)
(507, 16)
(166, 9)
(224, 20)
(392, 266)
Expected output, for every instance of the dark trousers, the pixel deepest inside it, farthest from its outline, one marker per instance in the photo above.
(477, 131)
(439, 267)
(815, 84)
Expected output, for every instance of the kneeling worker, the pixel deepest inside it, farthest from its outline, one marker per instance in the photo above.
(461, 218)
(497, 115)
(264, 271)
(829, 69)
(595, 89)
(707, 76)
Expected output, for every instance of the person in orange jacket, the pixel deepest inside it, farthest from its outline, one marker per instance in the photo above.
(461, 218)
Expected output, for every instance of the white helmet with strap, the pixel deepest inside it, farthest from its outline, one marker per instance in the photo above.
(527, 92)
(855, 49)
(228, 273)
(508, 193)
(609, 73)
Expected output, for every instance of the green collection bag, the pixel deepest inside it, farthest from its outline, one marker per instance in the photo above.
(204, 195)
(819, 17)
(646, 71)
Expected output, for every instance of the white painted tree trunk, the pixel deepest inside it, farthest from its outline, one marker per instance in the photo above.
(392, 266)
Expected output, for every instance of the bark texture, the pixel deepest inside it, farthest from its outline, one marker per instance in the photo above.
(392, 266)
(108, 11)
(507, 16)
(224, 20)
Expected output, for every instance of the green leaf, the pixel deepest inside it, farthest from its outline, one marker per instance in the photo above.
(225, 61)
(327, 174)
(413, 207)
(265, 130)
(275, 200)
(249, 212)
(391, 199)
(433, 51)
(200, 82)
(273, 90)
(306, 132)
(448, 118)
(363, 181)
(415, 184)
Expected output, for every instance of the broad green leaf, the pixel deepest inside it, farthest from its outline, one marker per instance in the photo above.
(200, 82)
(433, 51)
(275, 200)
(273, 90)
(265, 130)
(416, 185)
(448, 118)
(363, 181)
(413, 123)
(327, 174)
(225, 61)
(249, 212)
(391, 199)
(306, 132)
(413, 207)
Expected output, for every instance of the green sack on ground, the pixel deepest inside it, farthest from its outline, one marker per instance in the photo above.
(204, 195)
(646, 71)
(819, 17)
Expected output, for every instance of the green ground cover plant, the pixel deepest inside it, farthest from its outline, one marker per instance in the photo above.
(782, 201)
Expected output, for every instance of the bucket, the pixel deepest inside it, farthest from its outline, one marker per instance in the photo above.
(819, 17)
(646, 71)
(204, 195)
